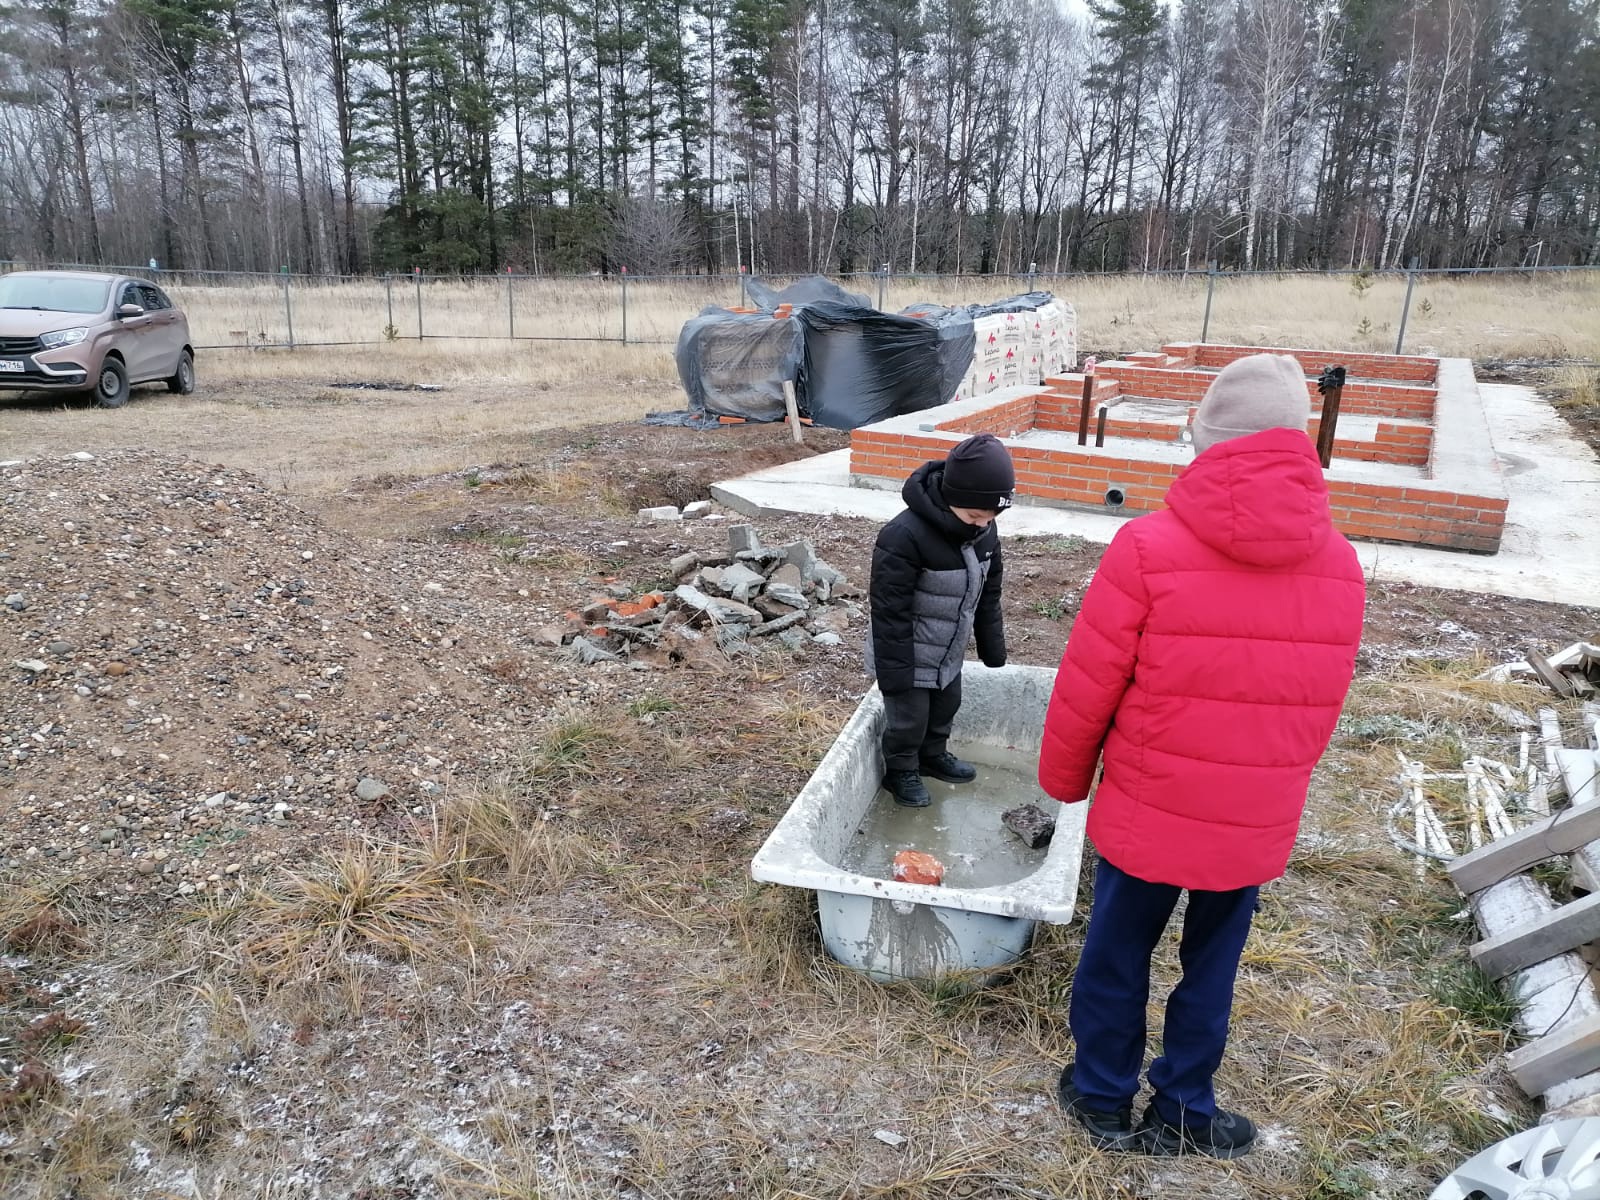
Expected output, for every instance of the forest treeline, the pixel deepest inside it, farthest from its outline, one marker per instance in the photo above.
(665, 136)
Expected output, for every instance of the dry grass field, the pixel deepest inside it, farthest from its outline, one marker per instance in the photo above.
(1546, 316)
(553, 979)
(292, 416)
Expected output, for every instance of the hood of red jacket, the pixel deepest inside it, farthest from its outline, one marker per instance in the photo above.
(1260, 499)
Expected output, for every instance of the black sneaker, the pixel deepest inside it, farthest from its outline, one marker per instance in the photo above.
(1229, 1135)
(949, 768)
(1106, 1130)
(907, 789)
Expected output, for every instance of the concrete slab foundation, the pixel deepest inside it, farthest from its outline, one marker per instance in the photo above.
(1549, 550)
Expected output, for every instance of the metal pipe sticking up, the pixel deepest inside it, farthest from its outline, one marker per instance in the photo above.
(1088, 401)
(1100, 427)
(1331, 385)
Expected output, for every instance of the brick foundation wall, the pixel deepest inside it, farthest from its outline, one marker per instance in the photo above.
(1404, 368)
(1006, 419)
(1081, 477)
(1417, 515)
(1399, 389)
(1187, 385)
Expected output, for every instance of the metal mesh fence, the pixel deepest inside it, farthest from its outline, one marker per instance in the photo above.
(238, 310)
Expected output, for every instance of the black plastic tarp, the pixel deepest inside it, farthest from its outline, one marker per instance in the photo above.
(734, 364)
(861, 366)
(850, 364)
(813, 289)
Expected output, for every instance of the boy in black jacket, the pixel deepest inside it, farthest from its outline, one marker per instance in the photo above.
(935, 582)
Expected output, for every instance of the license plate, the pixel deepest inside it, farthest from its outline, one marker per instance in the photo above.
(14, 366)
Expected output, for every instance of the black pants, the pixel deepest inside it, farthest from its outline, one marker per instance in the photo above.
(917, 725)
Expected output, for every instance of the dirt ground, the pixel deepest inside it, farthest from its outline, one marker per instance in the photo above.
(321, 876)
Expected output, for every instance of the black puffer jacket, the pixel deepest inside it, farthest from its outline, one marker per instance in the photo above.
(935, 580)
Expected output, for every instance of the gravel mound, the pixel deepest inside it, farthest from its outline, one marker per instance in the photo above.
(198, 679)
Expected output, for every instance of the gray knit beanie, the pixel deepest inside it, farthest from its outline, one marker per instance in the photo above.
(1263, 391)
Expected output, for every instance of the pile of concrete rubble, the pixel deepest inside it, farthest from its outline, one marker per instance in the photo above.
(721, 605)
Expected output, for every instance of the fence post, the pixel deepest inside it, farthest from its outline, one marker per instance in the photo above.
(883, 278)
(624, 306)
(288, 308)
(416, 273)
(390, 331)
(511, 310)
(1033, 273)
(744, 298)
(1405, 312)
(1211, 283)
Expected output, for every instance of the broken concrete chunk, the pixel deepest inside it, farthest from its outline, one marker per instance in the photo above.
(698, 509)
(802, 557)
(743, 538)
(720, 611)
(795, 639)
(771, 609)
(760, 559)
(779, 624)
(731, 639)
(788, 574)
(588, 653)
(708, 579)
(785, 594)
(1030, 823)
(598, 610)
(682, 565)
(553, 634)
(834, 620)
(740, 582)
(821, 570)
(827, 638)
(666, 512)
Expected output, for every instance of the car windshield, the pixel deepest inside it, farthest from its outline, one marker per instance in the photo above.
(53, 293)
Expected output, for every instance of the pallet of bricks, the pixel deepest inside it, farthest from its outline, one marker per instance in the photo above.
(1544, 953)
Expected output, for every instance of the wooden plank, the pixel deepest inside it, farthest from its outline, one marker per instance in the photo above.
(1552, 678)
(1559, 834)
(1546, 936)
(1557, 1057)
(1578, 773)
(793, 406)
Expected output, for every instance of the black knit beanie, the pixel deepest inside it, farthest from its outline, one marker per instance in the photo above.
(978, 474)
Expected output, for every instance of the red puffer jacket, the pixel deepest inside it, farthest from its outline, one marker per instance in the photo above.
(1209, 663)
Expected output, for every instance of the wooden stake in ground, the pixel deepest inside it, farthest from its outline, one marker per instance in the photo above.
(793, 406)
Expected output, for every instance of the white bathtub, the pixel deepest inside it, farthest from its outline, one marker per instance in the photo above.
(893, 931)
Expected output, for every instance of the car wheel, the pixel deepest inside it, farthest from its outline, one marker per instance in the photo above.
(1542, 1163)
(182, 382)
(112, 389)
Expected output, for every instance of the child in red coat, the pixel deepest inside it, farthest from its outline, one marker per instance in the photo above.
(1206, 670)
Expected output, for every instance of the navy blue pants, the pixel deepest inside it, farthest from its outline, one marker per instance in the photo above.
(1111, 991)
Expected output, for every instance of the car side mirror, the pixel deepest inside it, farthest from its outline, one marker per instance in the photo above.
(130, 310)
